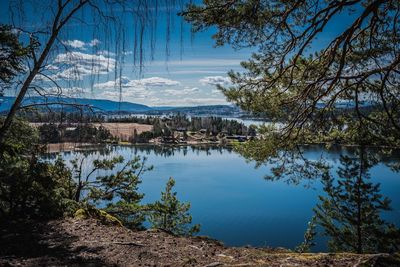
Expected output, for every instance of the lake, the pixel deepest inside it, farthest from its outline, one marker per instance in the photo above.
(231, 199)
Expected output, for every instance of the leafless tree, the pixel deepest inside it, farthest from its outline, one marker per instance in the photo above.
(58, 18)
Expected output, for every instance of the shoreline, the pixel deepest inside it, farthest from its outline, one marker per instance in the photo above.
(71, 146)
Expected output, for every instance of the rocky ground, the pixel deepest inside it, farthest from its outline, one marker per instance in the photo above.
(87, 242)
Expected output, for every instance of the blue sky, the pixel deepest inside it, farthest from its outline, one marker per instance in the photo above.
(180, 79)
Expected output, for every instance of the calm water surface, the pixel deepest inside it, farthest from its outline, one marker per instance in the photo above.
(231, 199)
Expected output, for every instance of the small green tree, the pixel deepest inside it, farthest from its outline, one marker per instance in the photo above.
(118, 191)
(171, 215)
(309, 236)
(122, 186)
(350, 212)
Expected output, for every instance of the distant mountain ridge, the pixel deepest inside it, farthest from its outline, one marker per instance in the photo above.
(112, 107)
(109, 106)
(96, 104)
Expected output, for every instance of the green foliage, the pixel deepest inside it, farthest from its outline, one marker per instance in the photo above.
(287, 83)
(49, 133)
(53, 133)
(171, 215)
(350, 213)
(31, 188)
(34, 189)
(309, 236)
(121, 186)
(12, 54)
(166, 126)
(28, 188)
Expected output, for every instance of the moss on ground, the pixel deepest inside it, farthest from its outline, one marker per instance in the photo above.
(100, 215)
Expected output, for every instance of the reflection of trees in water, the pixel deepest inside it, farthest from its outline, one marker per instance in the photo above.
(350, 211)
(169, 151)
(307, 164)
(165, 151)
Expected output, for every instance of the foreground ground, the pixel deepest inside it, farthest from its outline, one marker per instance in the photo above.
(87, 242)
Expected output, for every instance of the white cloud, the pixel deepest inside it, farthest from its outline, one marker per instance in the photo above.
(155, 91)
(142, 83)
(94, 42)
(182, 92)
(71, 57)
(132, 95)
(124, 81)
(155, 81)
(52, 67)
(78, 44)
(216, 92)
(142, 91)
(74, 44)
(106, 53)
(75, 65)
(215, 80)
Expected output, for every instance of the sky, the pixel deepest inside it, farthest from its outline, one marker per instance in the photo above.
(186, 76)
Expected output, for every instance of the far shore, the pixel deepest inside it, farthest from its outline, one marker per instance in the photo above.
(69, 146)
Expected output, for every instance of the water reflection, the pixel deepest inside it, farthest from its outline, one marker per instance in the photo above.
(164, 151)
(350, 209)
(234, 204)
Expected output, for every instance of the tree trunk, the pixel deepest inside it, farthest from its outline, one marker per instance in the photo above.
(58, 23)
(78, 192)
(359, 204)
(26, 85)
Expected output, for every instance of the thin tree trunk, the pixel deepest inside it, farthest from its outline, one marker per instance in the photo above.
(56, 27)
(359, 213)
(78, 192)
(26, 85)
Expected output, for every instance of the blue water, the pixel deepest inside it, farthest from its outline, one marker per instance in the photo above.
(231, 199)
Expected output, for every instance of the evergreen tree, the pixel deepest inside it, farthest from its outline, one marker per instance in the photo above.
(12, 55)
(122, 185)
(28, 186)
(350, 213)
(309, 236)
(292, 78)
(171, 215)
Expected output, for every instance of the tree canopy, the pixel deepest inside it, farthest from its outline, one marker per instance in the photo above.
(299, 79)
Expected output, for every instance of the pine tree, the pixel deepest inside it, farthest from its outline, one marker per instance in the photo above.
(117, 191)
(309, 236)
(123, 185)
(171, 215)
(350, 212)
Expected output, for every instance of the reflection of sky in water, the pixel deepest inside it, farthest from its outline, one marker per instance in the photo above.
(232, 201)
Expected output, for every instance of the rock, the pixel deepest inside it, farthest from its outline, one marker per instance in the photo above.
(100, 215)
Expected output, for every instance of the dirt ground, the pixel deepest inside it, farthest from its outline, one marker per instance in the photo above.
(87, 242)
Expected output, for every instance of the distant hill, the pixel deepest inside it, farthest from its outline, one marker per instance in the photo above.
(219, 110)
(96, 104)
(109, 106)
